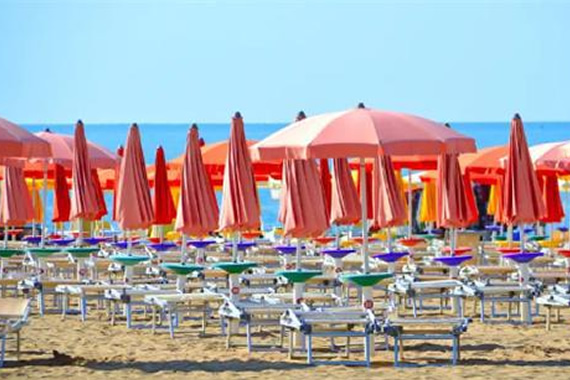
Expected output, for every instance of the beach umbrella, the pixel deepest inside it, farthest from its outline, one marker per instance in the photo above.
(240, 202)
(120, 154)
(16, 142)
(162, 203)
(345, 204)
(453, 202)
(428, 203)
(388, 205)
(553, 156)
(197, 213)
(361, 132)
(134, 204)
(102, 206)
(522, 198)
(326, 182)
(84, 204)
(61, 200)
(16, 206)
(364, 180)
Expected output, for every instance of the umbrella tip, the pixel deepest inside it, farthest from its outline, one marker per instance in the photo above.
(300, 116)
(361, 105)
(447, 125)
(195, 126)
(134, 125)
(517, 116)
(47, 130)
(237, 115)
(79, 122)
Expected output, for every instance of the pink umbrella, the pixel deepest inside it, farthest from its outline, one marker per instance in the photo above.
(16, 207)
(18, 142)
(198, 212)
(345, 205)
(102, 206)
(388, 205)
(240, 203)
(551, 156)
(84, 204)
(120, 154)
(452, 205)
(522, 202)
(134, 205)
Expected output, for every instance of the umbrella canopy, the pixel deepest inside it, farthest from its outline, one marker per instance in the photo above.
(197, 213)
(387, 202)
(551, 156)
(326, 182)
(302, 208)
(522, 199)
(61, 200)
(134, 205)
(345, 204)
(551, 198)
(18, 142)
(240, 203)
(361, 132)
(84, 202)
(16, 207)
(162, 203)
(454, 207)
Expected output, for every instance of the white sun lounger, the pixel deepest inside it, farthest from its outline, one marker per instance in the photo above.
(13, 316)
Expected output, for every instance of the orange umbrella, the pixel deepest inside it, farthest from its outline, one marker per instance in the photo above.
(61, 200)
(197, 213)
(325, 174)
(134, 205)
(522, 197)
(163, 205)
(84, 205)
(16, 207)
(388, 206)
(345, 205)
(240, 203)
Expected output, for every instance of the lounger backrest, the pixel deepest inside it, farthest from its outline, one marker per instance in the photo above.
(13, 307)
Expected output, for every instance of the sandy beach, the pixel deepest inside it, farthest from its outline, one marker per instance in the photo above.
(96, 350)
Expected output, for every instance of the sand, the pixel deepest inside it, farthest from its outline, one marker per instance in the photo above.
(55, 349)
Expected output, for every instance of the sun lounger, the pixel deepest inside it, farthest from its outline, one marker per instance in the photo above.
(558, 297)
(13, 316)
(42, 287)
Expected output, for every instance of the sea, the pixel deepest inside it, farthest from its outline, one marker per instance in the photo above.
(172, 138)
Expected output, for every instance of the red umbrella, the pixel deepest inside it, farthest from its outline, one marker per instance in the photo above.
(84, 205)
(302, 209)
(134, 205)
(61, 200)
(120, 154)
(240, 203)
(345, 205)
(326, 181)
(522, 197)
(162, 203)
(551, 198)
(102, 206)
(388, 206)
(16, 207)
(198, 212)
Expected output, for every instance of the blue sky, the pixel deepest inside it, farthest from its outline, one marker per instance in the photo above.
(174, 61)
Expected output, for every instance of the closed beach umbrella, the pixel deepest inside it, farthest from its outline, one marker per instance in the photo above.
(162, 203)
(84, 204)
(522, 198)
(120, 154)
(102, 206)
(134, 204)
(16, 207)
(388, 205)
(428, 203)
(197, 213)
(61, 200)
(240, 203)
(551, 198)
(326, 182)
(345, 204)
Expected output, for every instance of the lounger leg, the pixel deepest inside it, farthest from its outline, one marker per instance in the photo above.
(83, 307)
(3, 350)
(17, 345)
(548, 316)
(367, 340)
(170, 325)
(41, 304)
(153, 319)
(396, 351)
(309, 341)
(347, 348)
(64, 306)
(454, 351)
(128, 314)
(291, 344)
(248, 337)
(482, 310)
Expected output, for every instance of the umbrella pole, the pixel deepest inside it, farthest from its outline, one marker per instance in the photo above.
(34, 206)
(567, 212)
(80, 232)
(521, 236)
(44, 201)
(298, 255)
(183, 248)
(366, 266)
(5, 236)
(389, 238)
(235, 247)
(453, 240)
(410, 211)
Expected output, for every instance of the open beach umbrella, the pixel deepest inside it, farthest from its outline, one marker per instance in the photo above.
(345, 204)
(84, 204)
(16, 207)
(16, 142)
(134, 204)
(162, 203)
(240, 202)
(326, 181)
(388, 205)
(453, 199)
(197, 213)
(553, 156)
(361, 132)
(61, 199)
(522, 198)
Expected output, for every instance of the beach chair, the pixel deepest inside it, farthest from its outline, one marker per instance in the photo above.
(557, 298)
(13, 316)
